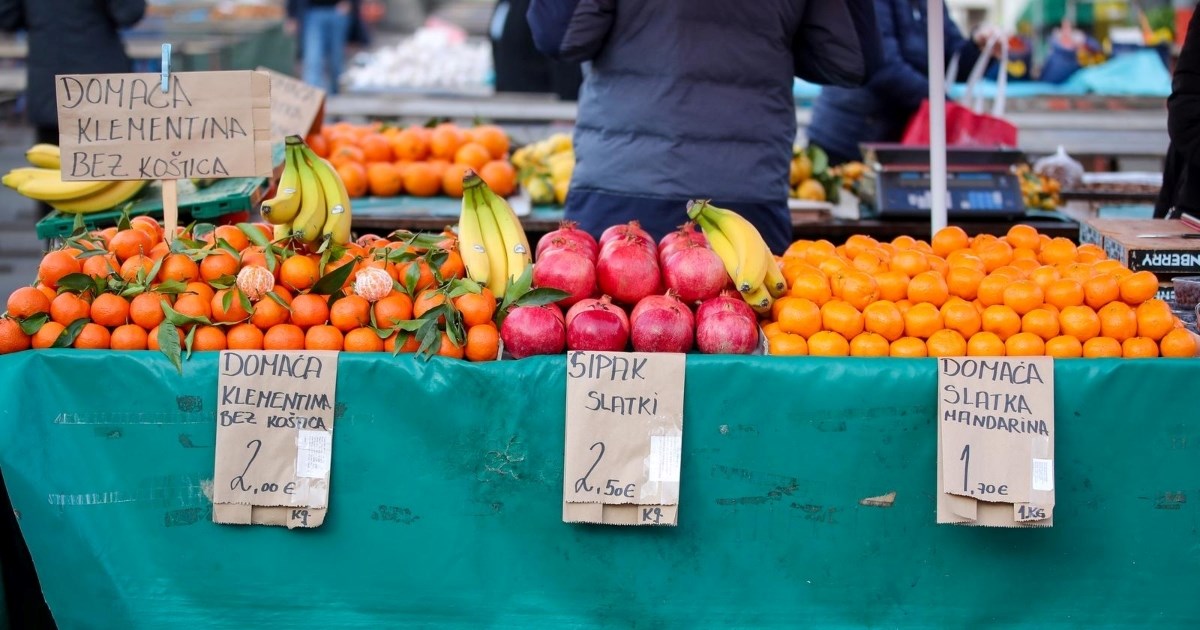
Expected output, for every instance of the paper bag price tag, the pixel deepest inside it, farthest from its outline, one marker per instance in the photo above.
(274, 445)
(996, 441)
(624, 438)
(123, 127)
(296, 106)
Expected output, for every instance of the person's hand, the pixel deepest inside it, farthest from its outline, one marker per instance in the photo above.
(291, 26)
(983, 35)
(344, 7)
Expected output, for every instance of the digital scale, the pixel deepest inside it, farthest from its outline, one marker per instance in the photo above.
(980, 183)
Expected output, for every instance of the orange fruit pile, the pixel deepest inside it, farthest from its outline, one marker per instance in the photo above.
(115, 289)
(1021, 294)
(419, 161)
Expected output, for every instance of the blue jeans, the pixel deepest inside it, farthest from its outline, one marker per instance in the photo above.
(325, 33)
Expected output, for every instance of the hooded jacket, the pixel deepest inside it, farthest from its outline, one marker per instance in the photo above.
(844, 118)
(68, 37)
(689, 99)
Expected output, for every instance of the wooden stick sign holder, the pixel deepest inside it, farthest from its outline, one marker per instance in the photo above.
(170, 187)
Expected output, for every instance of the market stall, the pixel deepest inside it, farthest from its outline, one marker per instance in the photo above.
(446, 507)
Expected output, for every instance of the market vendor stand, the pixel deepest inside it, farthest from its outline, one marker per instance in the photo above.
(447, 487)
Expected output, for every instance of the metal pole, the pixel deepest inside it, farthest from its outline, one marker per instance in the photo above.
(937, 116)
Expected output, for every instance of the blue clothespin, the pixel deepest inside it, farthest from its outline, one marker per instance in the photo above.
(166, 66)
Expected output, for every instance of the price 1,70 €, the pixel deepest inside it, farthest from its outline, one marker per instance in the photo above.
(612, 488)
(980, 488)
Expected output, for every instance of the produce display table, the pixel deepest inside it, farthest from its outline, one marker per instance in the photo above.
(447, 486)
(434, 213)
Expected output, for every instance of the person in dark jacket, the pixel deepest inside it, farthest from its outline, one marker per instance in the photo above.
(1181, 176)
(842, 118)
(67, 37)
(690, 99)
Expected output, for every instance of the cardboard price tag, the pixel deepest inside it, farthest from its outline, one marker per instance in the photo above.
(995, 462)
(123, 127)
(624, 438)
(274, 445)
(296, 107)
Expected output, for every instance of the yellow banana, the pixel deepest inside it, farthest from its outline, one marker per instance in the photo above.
(115, 194)
(516, 245)
(285, 205)
(53, 188)
(493, 241)
(759, 300)
(720, 245)
(471, 245)
(746, 240)
(44, 156)
(311, 218)
(337, 200)
(14, 178)
(775, 282)
(282, 232)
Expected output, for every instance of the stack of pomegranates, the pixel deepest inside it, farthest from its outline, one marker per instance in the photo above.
(677, 293)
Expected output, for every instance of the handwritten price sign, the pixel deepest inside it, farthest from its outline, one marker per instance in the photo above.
(624, 436)
(274, 437)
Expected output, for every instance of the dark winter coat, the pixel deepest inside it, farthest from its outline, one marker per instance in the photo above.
(68, 37)
(1181, 176)
(879, 112)
(692, 99)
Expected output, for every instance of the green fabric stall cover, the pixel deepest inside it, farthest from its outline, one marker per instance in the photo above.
(446, 503)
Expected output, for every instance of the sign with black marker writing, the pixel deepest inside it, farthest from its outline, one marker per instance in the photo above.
(124, 127)
(296, 106)
(274, 445)
(624, 438)
(996, 441)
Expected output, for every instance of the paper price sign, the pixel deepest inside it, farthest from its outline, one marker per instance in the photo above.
(624, 437)
(274, 446)
(996, 440)
(124, 127)
(296, 107)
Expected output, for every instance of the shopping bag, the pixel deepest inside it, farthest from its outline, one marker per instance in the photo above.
(966, 124)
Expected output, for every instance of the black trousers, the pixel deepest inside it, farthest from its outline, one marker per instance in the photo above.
(47, 135)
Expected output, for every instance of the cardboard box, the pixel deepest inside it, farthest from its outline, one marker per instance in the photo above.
(1165, 257)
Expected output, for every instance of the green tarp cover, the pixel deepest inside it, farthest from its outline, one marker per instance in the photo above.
(447, 486)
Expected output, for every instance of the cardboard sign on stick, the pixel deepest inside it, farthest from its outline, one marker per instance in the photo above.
(995, 464)
(296, 107)
(274, 447)
(624, 438)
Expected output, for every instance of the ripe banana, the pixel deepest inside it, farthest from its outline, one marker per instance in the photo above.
(14, 178)
(471, 245)
(111, 196)
(517, 254)
(337, 200)
(746, 240)
(759, 300)
(311, 218)
(493, 241)
(53, 188)
(776, 283)
(44, 156)
(282, 232)
(285, 205)
(720, 245)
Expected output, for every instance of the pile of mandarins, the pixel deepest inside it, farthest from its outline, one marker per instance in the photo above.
(232, 288)
(418, 161)
(1023, 294)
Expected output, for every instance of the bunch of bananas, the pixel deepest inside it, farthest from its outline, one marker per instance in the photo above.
(544, 168)
(745, 254)
(43, 182)
(491, 241)
(310, 204)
